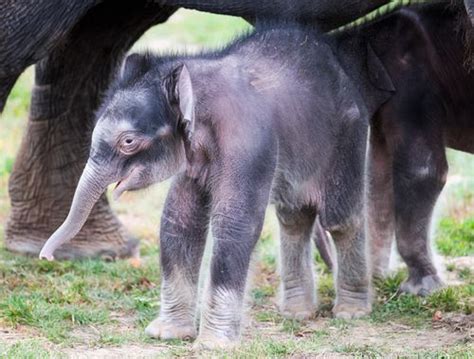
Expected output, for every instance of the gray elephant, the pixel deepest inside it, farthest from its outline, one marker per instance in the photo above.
(74, 67)
(273, 117)
(433, 108)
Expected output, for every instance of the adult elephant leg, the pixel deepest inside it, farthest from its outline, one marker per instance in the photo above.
(420, 170)
(67, 91)
(380, 206)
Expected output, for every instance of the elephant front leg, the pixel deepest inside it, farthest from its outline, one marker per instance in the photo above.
(184, 226)
(236, 222)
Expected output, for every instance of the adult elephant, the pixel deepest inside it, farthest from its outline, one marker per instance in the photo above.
(79, 45)
(432, 108)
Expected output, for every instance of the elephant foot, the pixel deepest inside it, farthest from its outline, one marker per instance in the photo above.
(166, 330)
(207, 342)
(351, 311)
(352, 304)
(298, 308)
(41, 188)
(297, 314)
(422, 286)
(103, 236)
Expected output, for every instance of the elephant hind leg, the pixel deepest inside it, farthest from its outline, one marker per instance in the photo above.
(298, 294)
(419, 179)
(420, 169)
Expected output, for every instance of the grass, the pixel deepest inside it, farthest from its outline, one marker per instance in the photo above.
(53, 309)
(456, 237)
(54, 298)
(416, 311)
(96, 304)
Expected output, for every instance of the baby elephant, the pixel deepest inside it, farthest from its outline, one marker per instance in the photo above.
(271, 118)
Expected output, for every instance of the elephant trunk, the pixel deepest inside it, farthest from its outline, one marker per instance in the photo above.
(91, 186)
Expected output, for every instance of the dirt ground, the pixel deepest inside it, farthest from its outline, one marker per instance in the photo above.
(327, 338)
(393, 338)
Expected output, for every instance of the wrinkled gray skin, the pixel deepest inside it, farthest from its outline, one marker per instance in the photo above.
(273, 118)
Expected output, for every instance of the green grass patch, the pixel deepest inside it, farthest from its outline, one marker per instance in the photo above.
(414, 310)
(359, 351)
(456, 238)
(209, 30)
(57, 297)
(326, 292)
(29, 349)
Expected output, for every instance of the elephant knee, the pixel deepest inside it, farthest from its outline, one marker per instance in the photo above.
(423, 173)
(346, 228)
(295, 221)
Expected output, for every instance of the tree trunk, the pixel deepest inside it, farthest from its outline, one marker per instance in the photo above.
(68, 86)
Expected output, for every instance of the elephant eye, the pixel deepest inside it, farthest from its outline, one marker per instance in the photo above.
(128, 144)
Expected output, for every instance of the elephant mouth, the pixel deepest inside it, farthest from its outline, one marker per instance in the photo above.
(120, 187)
(117, 192)
(129, 182)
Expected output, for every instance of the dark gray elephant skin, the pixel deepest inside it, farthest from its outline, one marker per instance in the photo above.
(274, 117)
(433, 108)
(74, 69)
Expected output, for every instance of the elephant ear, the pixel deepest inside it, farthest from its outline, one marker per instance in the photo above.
(135, 65)
(378, 75)
(180, 94)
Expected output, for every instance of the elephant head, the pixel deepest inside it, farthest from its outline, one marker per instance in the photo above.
(138, 140)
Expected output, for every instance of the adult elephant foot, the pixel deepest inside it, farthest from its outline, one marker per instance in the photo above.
(68, 86)
(422, 286)
(42, 185)
(103, 237)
